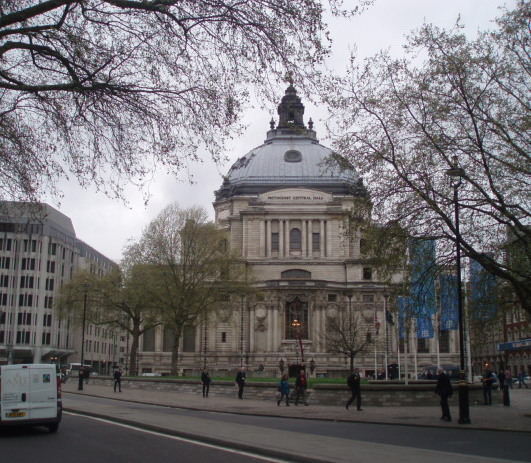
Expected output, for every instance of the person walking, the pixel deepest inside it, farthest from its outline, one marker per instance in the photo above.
(487, 381)
(300, 388)
(509, 378)
(240, 381)
(444, 390)
(283, 389)
(354, 384)
(117, 379)
(205, 381)
(521, 378)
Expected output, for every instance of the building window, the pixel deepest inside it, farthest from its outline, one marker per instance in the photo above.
(332, 297)
(46, 338)
(295, 240)
(275, 242)
(223, 336)
(52, 249)
(316, 241)
(5, 262)
(49, 284)
(189, 339)
(4, 281)
(50, 266)
(363, 246)
(444, 342)
(296, 319)
(148, 340)
(422, 346)
(296, 274)
(367, 298)
(5, 244)
(367, 273)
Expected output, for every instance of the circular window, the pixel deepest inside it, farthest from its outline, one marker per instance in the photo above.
(292, 156)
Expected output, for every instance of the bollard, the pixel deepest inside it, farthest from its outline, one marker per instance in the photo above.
(506, 398)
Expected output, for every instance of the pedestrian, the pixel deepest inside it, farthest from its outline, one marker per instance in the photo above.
(300, 388)
(487, 381)
(240, 382)
(86, 374)
(521, 378)
(117, 379)
(444, 390)
(205, 381)
(283, 390)
(509, 378)
(354, 384)
(501, 379)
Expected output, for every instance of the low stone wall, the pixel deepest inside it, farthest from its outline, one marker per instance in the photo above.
(384, 394)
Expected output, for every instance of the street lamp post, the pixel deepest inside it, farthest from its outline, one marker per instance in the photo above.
(81, 368)
(296, 324)
(457, 173)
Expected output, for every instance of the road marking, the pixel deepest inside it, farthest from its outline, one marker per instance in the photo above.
(183, 439)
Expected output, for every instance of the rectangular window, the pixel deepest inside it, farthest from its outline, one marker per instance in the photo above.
(2, 318)
(46, 338)
(3, 298)
(52, 249)
(275, 242)
(223, 336)
(5, 244)
(332, 297)
(50, 266)
(444, 342)
(2, 337)
(5, 262)
(4, 281)
(422, 346)
(49, 284)
(367, 298)
(367, 273)
(316, 241)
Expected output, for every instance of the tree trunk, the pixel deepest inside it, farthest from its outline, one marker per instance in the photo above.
(133, 354)
(175, 356)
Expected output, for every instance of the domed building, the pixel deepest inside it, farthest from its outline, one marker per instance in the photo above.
(286, 206)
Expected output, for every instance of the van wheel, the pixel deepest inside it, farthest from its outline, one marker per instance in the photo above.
(53, 427)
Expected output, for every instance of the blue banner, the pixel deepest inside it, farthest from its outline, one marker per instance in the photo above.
(422, 291)
(449, 307)
(424, 328)
(483, 293)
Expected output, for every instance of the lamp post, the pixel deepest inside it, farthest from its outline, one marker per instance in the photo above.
(456, 174)
(82, 368)
(296, 325)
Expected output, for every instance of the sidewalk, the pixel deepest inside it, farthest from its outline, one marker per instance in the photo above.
(517, 417)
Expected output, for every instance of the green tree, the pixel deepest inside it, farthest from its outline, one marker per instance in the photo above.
(104, 90)
(117, 299)
(190, 267)
(448, 102)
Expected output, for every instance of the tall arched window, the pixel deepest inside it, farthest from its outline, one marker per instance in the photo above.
(295, 240)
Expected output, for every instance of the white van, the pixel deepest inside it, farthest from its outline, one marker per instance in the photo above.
(30, 394)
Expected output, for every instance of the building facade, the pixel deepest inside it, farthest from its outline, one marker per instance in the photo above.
(287, 207)
(39, 252)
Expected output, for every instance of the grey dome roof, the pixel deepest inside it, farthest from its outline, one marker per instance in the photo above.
(290, 157)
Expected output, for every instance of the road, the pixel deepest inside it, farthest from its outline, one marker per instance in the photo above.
(283, 438)
(87, 440)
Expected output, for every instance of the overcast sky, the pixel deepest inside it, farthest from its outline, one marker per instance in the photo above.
(107, 224)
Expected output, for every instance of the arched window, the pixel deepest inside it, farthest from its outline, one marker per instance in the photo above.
(295, 240)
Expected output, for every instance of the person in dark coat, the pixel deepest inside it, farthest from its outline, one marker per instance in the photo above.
(300, 388)
(240, 381)
(205, 381)
(487, 381)
(444, 390)
(354, 384)
(117, 380)
(283, 389)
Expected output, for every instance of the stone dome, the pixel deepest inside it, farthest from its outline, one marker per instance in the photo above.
(291, 156)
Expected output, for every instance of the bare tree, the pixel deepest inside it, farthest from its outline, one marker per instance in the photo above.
(103, 90)
(402, 122)
(348, 334)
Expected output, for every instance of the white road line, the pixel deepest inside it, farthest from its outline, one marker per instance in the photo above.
(182, 439)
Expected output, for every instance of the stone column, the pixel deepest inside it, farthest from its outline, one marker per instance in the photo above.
(262, 240)
(304, 239)
(268, 238)
(322, 239)
(280, 238)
